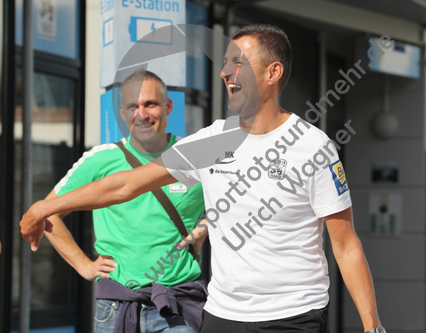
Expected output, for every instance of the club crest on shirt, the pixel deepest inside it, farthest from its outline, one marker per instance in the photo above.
(339, 177)
(276, 169)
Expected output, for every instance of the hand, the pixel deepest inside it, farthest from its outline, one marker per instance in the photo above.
(200, 232)
(33, 224)
(101, 267)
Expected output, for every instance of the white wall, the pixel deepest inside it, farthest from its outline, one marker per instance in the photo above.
(397, 263)
(92, 108)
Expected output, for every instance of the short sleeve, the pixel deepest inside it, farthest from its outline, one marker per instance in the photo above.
(179, 166)
(200, 150)
(328, 187)
(84, 171)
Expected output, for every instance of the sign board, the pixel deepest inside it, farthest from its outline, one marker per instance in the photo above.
(55, 28)
(125, 23)
(109, 129)
(385, 173)
(140, 26)
(385, 211)
(401, 59)
(47, 19)
(176, 119)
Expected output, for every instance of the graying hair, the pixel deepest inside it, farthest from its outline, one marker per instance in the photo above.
(140, 75)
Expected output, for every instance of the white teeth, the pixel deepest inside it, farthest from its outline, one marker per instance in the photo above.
(233, 85)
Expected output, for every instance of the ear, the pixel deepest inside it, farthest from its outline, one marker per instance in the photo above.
(122, 113)
(169, 106)
(275, 72)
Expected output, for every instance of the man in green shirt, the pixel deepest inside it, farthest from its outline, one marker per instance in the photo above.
(134, 239)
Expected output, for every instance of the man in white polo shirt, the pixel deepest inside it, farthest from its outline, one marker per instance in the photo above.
(269, 180)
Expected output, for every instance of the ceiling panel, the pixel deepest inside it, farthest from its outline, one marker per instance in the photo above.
(413, 10)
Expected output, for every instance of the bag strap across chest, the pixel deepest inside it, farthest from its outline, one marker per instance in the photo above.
(161, 197)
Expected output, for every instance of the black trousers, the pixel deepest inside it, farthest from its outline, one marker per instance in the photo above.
(314, 321)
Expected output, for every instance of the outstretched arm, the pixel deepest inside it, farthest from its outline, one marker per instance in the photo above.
(62, 240)
(353, 266)
(111, 190)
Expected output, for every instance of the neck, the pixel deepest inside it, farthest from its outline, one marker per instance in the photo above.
(160, 143)
(269, 117)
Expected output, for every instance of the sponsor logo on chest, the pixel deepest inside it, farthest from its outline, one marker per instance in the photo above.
(177, 188)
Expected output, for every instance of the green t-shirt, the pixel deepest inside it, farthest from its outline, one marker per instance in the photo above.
(138, 233)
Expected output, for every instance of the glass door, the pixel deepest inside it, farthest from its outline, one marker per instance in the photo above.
(52, 279)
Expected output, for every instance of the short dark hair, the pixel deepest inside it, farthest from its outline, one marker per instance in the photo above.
(273, 46)
(141, 74)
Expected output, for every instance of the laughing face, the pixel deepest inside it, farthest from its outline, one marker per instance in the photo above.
(145, 111)
(240, 75)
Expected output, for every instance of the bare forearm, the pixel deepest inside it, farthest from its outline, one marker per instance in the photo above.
(62, 240)
(64, 243)
(114, 189)
(111, 190)
(356, 275)
(101, 193)
(353, 266)
(197, 236)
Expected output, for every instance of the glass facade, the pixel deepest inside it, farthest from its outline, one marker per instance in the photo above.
(52, 132)
(56, 28)
(60, 300)
(197, 63)
(57, 131)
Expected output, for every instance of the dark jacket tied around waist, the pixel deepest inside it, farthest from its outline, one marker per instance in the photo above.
(185, 299)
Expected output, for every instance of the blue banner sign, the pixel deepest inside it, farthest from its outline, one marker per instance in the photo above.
(127, 22)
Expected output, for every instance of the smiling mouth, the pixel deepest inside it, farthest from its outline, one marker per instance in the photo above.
(234, 88)
(144, 125)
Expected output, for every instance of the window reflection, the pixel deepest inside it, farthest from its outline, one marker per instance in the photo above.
(52, 136)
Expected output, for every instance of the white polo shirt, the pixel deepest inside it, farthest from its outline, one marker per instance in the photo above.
(265, 200)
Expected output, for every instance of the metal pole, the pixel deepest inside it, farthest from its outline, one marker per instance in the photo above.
(226, 30)
(7, 162)
(322, 39)
(27, 188)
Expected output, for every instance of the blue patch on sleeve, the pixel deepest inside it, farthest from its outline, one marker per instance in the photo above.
(339, 177)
